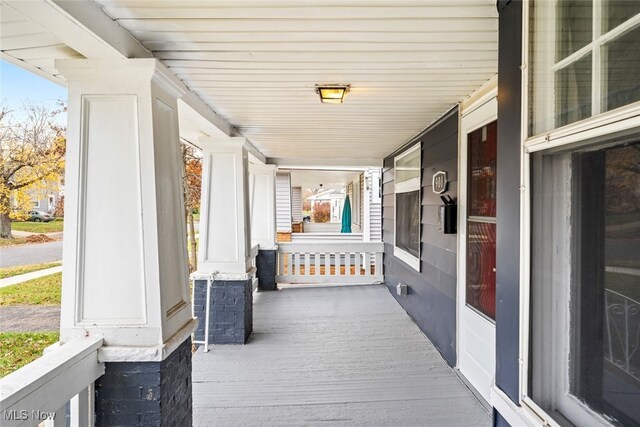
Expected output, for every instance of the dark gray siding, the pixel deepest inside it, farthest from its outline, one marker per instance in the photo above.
(432, 291)
(508, 198)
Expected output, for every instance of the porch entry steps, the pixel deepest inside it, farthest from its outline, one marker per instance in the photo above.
(331, 356)
(334, 262)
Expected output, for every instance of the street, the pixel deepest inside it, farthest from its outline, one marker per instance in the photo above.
(11, 256)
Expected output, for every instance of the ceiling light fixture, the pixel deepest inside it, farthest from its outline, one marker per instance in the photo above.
(332, 93)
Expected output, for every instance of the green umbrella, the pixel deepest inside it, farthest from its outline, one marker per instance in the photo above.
(346, 216)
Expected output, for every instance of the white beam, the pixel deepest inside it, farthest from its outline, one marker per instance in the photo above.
(33, 69)
(84, 27)
(325, 163)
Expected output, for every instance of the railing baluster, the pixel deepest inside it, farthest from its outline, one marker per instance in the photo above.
(338, 256)
(59, 418)
(378, 265)
(327, 264)
(79, 409)
(357, 266)
(347, 264)
(307, 264)
(290, 271)
(316, 258)
(366, 263)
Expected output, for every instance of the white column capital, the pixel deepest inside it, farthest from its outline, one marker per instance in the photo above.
(261, 168)
(105, 72)
(217, 144)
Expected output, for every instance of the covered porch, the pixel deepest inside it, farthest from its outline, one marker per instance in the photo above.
(337, 355)
(238, 80)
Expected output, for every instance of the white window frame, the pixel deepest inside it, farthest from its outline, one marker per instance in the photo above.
(413, 184)
(624, 118)
(600, 123)
(36, 204)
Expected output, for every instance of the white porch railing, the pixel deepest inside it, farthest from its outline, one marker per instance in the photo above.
(40, 391)
(623, 332)
(336, 262)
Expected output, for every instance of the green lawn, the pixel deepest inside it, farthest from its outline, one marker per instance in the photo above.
(19, 348)
(23, 269)
(42, 291)
(39, 227)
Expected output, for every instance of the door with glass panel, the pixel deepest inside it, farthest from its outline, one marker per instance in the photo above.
(477, 274)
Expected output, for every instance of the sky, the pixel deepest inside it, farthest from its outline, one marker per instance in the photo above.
(18, 87)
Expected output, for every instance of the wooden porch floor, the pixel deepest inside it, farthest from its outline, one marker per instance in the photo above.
(331, 356)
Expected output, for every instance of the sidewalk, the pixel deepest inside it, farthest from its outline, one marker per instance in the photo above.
(29, 276)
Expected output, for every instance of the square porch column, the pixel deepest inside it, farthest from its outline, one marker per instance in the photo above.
(225, 265)
(125, 256)
(263, 223)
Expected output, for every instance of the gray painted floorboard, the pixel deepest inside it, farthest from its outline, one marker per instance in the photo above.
(331, 356)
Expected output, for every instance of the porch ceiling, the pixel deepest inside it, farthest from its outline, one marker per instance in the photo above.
(328, 179)
(255, 62)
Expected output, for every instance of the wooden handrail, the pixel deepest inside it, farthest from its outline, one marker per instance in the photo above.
(48, 383)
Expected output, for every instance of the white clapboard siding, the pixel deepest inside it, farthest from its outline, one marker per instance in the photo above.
(283, 202)
(296, 204)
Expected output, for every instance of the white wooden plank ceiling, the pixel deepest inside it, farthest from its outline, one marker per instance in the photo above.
(25, 43)
(335, 179)
(255, 62)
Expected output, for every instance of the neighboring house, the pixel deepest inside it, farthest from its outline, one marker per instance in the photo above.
(362, 186)
(44, 198)
(335, 198)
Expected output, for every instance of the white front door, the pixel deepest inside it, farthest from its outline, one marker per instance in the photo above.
(477, 245)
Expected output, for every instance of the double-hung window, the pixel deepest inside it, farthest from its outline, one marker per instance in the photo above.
(407, 167)
(583, 356)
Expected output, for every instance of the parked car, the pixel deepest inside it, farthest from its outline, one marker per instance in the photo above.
(40, 216)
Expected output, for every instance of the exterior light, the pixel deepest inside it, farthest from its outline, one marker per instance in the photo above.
(332, 93)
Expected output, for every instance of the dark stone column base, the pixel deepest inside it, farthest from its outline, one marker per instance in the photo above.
(266, 269)
(146, 393)
(230, 312)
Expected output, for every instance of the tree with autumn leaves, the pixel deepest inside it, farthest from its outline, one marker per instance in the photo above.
(32, 151)
(192, 191)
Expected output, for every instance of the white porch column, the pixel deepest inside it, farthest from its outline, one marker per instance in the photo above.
(366, 197)
(125, 253)
(225, 231)
(223, 284)
(263, 205)
(125, 257)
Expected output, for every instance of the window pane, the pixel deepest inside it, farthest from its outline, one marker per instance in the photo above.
(573, 92)
(622, 66)
(481, 264)
(574, 26)
(408, 167)
(615, 12)
(606, 300)
(408, 222)
(482, 170)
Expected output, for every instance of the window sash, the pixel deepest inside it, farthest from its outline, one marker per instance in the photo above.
(406, 186)
(545, 67)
